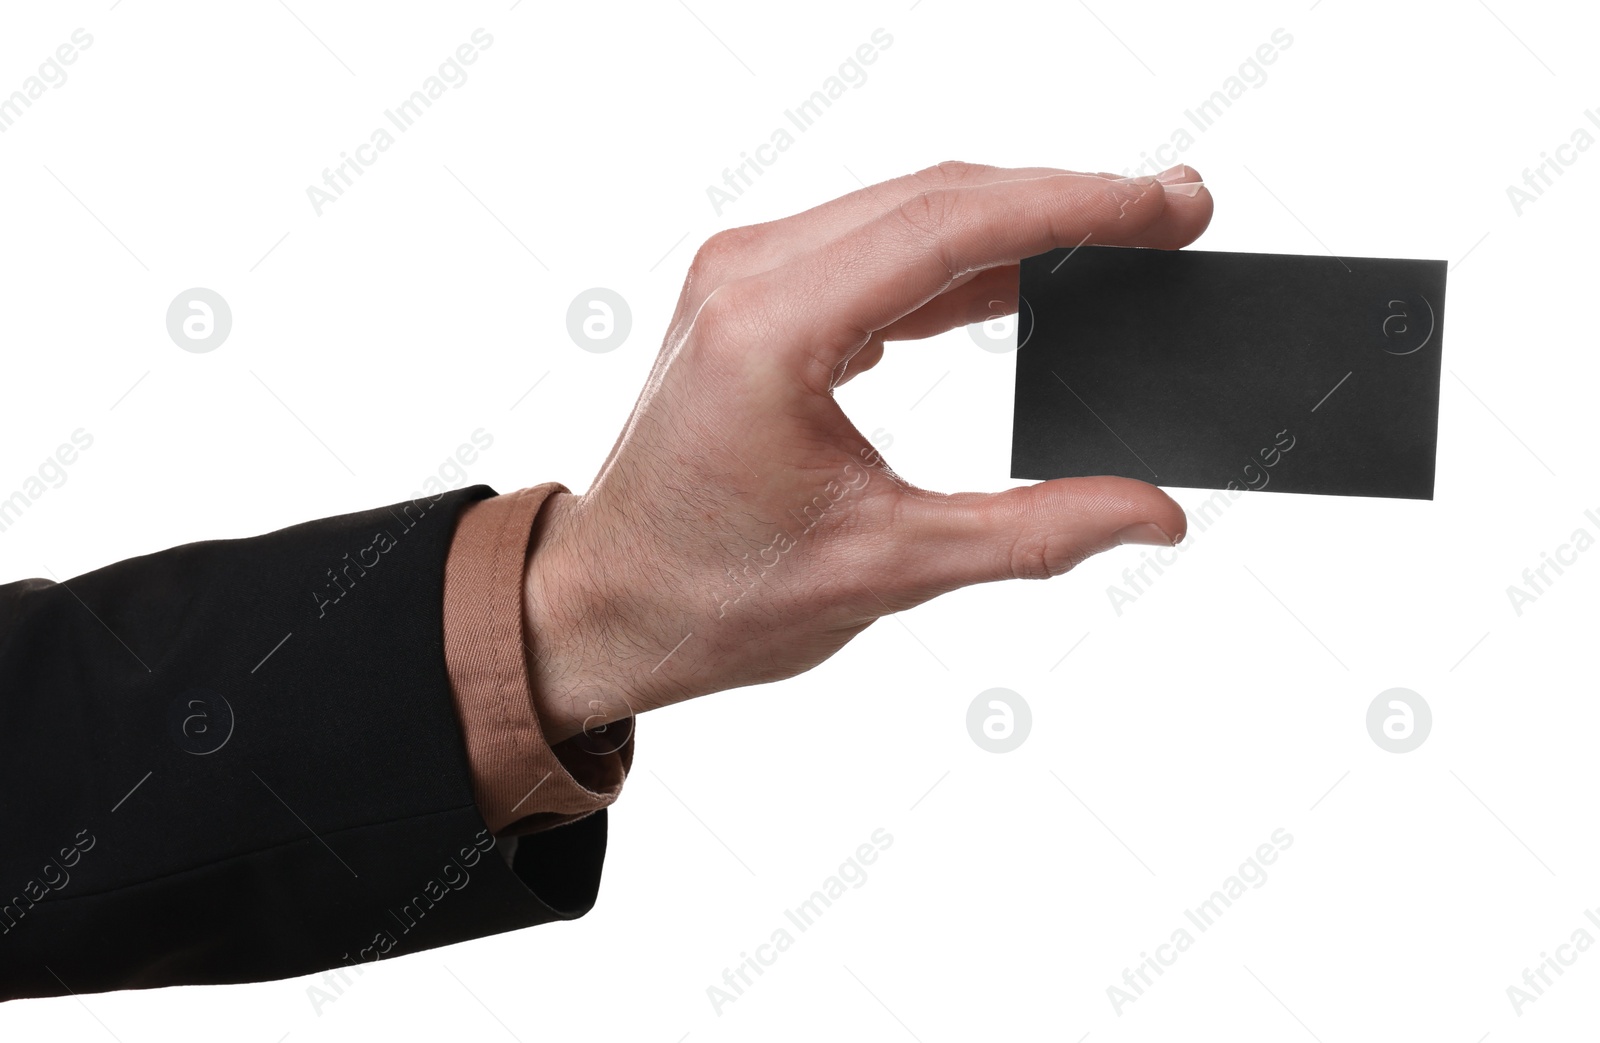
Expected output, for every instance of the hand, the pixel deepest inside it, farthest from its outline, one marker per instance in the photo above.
(742, 530)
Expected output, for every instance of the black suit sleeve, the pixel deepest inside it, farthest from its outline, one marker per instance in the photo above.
(240, 760)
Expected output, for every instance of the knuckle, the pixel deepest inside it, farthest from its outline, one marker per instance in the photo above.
(955, 172)
(926, 213)
(1043, 556)
(720, 255)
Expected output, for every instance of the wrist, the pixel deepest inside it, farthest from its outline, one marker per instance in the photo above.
(570, 619)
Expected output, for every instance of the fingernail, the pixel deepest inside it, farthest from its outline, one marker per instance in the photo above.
(1171, 174)
(1144, 532)
(1187, 188)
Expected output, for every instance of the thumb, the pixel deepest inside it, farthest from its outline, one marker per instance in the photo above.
(1032, 532)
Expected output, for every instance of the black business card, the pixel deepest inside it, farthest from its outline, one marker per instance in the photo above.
(1277, 372)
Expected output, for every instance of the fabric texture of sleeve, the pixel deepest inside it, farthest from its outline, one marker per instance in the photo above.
(523, 783)
(241, 760)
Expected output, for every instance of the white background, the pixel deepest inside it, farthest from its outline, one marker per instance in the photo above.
(1226, 703)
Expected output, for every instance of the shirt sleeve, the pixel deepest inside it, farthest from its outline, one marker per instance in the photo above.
(522, 783)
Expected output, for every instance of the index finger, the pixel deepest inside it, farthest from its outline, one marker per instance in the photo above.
(883, 270)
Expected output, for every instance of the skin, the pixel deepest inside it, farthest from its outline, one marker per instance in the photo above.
(628, 599)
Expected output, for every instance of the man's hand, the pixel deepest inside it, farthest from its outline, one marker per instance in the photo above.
(742, 530)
